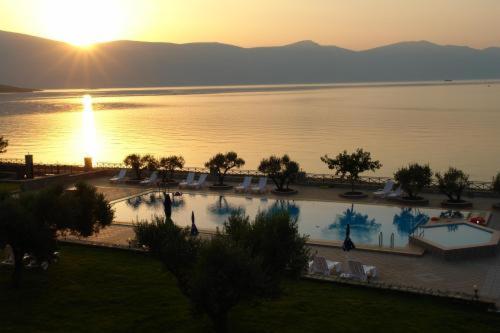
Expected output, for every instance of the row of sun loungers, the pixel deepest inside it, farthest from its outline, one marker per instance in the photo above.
(388, 192)
(189, 182)
(354, 270)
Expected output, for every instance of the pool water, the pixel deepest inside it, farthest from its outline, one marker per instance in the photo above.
(455, 235)
(318, 219)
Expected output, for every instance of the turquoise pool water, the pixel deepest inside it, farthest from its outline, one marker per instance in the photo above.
(455, 235)
(318, 219)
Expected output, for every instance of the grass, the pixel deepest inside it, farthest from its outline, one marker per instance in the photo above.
(9, 187)
(100, 290)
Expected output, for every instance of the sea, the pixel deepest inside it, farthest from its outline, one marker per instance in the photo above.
(440, 123)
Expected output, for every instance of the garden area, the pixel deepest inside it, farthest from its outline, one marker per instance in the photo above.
(104, 290)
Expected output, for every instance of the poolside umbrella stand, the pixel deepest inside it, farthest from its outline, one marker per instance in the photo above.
(167, 205)
(194, 229)
(348, 245)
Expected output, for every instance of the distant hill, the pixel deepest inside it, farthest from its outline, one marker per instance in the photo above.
(38, 62)
(11, 89)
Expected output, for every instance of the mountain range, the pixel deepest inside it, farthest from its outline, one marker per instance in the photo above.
(43, 63)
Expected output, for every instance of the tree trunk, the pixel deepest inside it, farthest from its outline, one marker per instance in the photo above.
(18, 268)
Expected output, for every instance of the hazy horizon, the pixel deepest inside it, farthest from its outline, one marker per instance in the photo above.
(356, 25)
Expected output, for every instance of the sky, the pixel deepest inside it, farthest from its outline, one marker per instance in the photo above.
(353, 24)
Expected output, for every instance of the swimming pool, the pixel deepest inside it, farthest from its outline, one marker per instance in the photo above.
(318, 219)
(456, 235)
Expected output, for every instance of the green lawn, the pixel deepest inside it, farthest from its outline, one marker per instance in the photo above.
(96, 290)
(9, 187)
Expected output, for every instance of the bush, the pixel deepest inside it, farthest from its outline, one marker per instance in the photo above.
(351, 165)
(281, 170)
(170, 243)
(169, 165)
(274, 238)
(413, 179)
(222, 163)
(453, 183)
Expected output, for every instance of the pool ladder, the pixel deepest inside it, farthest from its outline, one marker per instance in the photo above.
(381, 240)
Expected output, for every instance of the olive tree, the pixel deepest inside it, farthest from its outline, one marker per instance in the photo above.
(281, 170)
(222, 163)
(168, 166)
(413, 179)
(245, 262)
(139, 163)
(350, 166)
(274, 238)
(3, 145)
(453, 183)
(31, 223)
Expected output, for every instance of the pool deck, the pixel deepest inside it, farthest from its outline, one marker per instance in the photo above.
(427, 271)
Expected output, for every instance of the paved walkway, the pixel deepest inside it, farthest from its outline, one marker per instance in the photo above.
(426, 271)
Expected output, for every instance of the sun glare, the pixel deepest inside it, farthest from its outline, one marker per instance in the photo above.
(83, 23)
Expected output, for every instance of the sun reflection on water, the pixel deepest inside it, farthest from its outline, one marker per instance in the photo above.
(89, 133)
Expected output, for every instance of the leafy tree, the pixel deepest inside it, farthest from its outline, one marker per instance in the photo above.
(138, 163)
(3, 145)
(413, 179)
(352, 165)
(224, 275)
(168, 166)
(281, 170)
(30, 224)
(222, 163)
(453, 183)
(274, 238)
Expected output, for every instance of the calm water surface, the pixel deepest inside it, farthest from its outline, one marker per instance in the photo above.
(440, 124)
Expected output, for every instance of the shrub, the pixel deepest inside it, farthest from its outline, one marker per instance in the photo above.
(274, 238)
(222, 163)
(453, 183)
(413, 179)
(170, 243)
(352, 165)
(281, 170)
(169, 165)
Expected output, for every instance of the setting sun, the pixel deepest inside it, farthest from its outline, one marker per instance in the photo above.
(83, 23)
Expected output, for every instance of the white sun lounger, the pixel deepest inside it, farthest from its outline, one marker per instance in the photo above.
(395, 194)
(384, 191)
(9, 256)
(119, 177)
(323, 266)
(359, 271)
(151, 180)
(200, 182)
(189, 180)
(261, 186)
(245, 185)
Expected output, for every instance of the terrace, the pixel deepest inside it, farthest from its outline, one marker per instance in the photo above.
(408, 269)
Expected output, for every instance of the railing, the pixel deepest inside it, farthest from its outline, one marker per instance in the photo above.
(305, 179)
